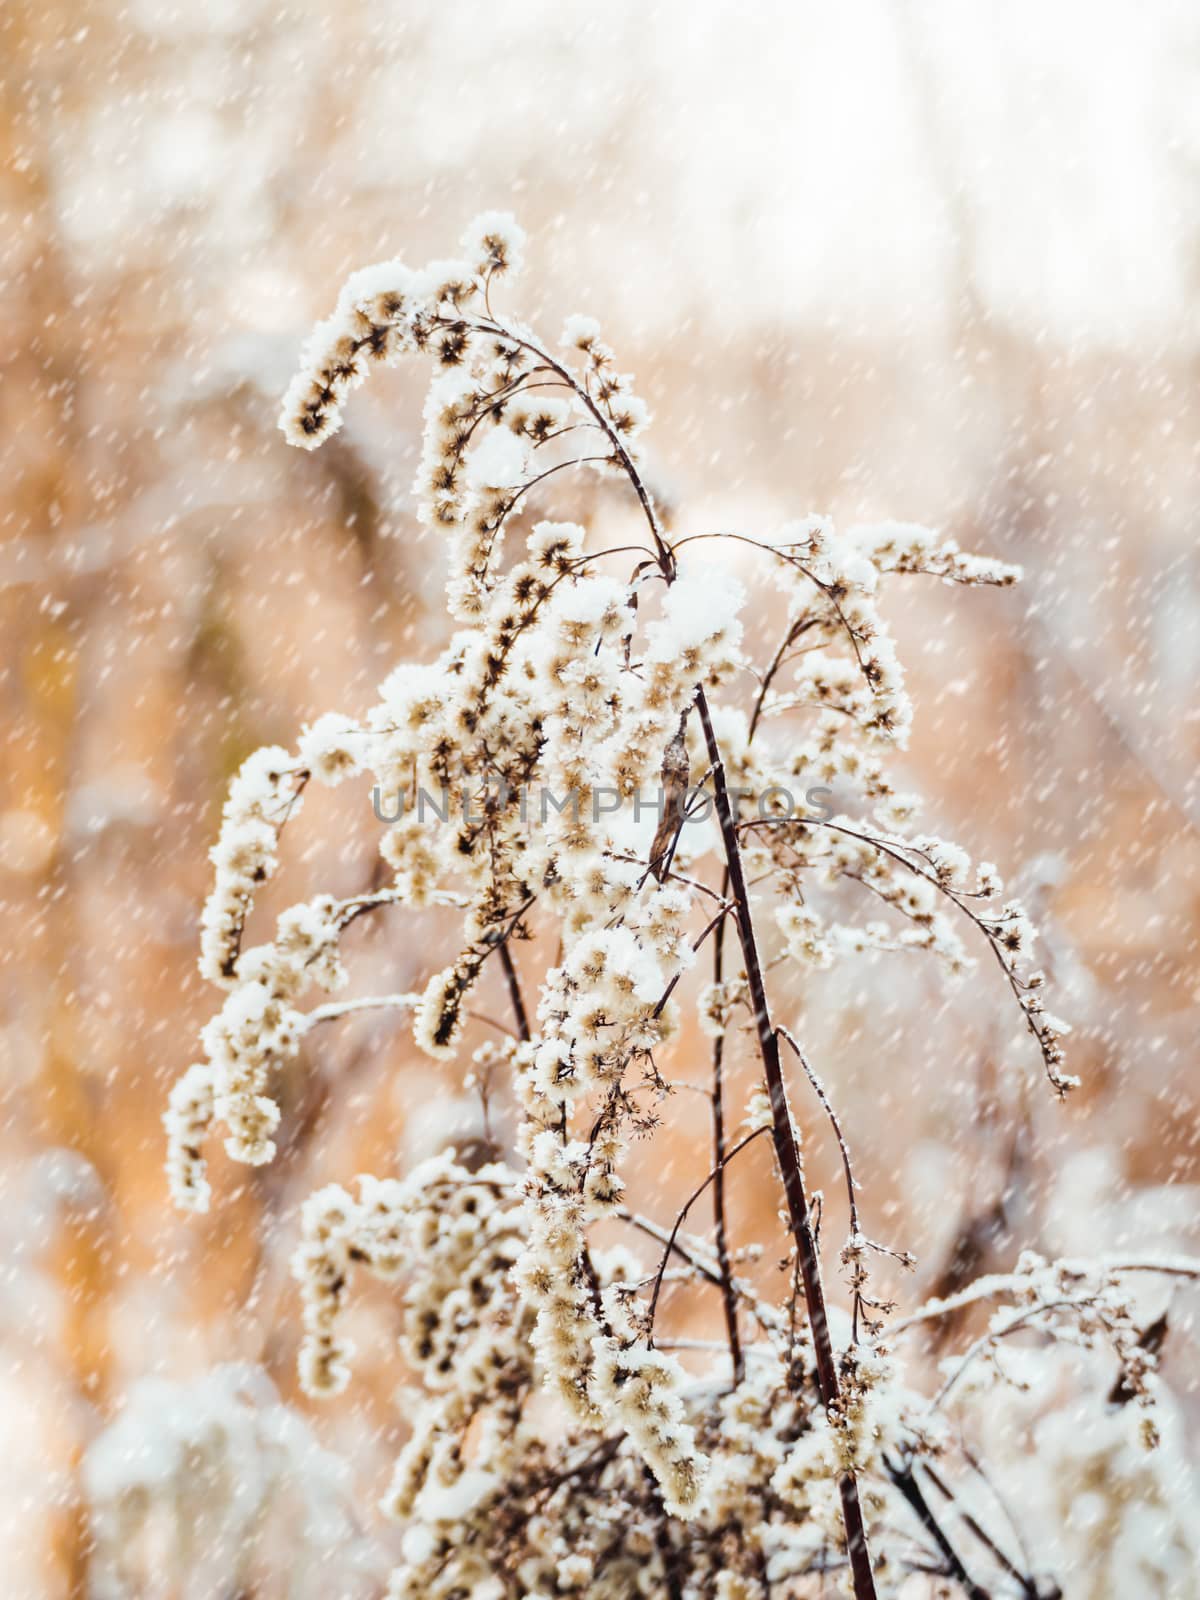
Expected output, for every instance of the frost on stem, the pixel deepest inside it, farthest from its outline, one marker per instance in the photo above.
(570, 671)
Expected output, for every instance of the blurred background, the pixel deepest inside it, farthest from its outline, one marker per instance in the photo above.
(926, 261)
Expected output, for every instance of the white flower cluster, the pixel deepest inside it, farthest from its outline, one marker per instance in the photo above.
(187, 1119)
(873, 1418)
(258, 1029)
(603, 1010)
(455, 1234)
(640, 1390)
(486, 416)
(838, 585)
(576, 1512)
(907, 547)
(848, 665)
(386, 311)
(254, 1034)
(266, 792)
(843, 674)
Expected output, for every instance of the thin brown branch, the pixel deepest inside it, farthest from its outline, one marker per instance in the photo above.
(517, 999)
(679, 1220)
(720, 1224)
(906, 1483)
(1027, 1585)
(819, 1091)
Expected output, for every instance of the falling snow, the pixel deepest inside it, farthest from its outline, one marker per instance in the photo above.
(344, 1138)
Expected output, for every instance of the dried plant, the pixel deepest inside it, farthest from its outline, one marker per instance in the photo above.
(611, 779)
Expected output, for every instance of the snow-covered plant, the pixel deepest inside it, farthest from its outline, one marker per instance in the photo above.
(213, 1486)
(601, 767)
(1120, 1519)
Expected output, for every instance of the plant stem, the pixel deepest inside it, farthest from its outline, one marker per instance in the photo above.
(905, 1480)
(788, 1156)
(727, 1284)
(728, 1293)
(514, 992)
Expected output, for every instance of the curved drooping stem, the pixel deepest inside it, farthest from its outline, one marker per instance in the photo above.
(679, 1221)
